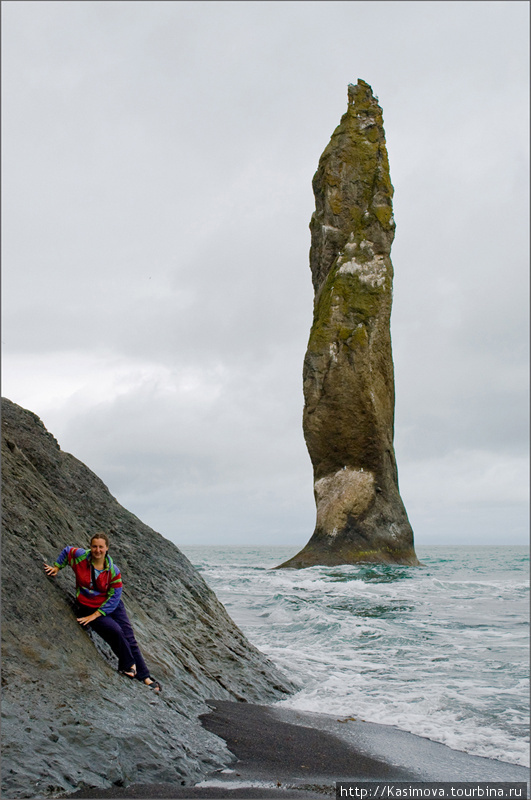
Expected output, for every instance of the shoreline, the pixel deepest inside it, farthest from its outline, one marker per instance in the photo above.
(283, 753)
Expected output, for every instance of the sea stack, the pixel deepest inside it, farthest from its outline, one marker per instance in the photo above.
(349, 395)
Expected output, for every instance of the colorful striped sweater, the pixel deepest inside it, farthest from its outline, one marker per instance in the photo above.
(100, 592)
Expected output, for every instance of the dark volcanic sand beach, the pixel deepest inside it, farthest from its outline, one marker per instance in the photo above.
(286, 754)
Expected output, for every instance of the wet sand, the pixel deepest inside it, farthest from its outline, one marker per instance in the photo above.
(281, 753)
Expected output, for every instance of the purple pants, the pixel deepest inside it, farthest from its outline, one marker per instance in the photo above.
(116, 629)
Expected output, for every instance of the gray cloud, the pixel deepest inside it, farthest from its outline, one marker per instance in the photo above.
(157, 173)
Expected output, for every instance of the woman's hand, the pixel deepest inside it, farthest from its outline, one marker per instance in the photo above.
(51, 571)
(86, 620)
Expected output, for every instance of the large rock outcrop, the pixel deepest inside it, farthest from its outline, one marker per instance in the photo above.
(348, 369)
(69, 719)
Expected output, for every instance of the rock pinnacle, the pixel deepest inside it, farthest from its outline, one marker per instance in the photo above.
(348, 378)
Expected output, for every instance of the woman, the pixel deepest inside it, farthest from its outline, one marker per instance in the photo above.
(99, 604)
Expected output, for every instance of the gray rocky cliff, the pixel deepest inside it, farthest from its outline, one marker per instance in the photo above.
(69, 719)
(348, 377)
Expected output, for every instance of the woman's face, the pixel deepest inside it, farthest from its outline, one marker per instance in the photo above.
(98, 549)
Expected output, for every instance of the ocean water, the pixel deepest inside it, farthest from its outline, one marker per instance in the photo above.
(441, 651)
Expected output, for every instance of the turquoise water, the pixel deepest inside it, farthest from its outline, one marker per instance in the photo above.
(441, 650)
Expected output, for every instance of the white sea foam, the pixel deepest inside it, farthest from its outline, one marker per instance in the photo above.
(440, 651)
(213, 783)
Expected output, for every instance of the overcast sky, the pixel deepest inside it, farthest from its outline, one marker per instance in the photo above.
(157, 298)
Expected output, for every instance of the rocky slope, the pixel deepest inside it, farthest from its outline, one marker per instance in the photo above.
(348, 369)
(69, 719)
